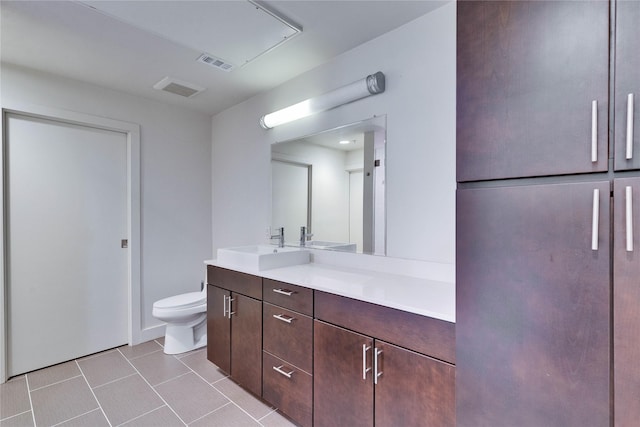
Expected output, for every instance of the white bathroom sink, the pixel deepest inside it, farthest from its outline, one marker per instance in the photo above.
(262, 257)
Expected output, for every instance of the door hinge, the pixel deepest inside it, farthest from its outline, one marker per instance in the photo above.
(124, 243)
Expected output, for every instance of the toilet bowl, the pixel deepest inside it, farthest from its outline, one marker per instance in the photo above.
(186, 318)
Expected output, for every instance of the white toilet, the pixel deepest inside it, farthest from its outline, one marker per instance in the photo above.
(186, 317)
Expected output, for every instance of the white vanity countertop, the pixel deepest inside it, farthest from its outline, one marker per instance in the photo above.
(412, 294)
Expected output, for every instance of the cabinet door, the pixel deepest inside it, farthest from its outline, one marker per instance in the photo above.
(341, 396)
(626, 309)
(218, 328)
(413, 390)
(527, 73)
(533, 306)
(627, 83)
(246, 342)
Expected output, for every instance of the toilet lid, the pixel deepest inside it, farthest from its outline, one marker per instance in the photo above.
(189, 299)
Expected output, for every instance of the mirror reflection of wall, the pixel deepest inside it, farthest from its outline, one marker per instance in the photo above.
(341, 184)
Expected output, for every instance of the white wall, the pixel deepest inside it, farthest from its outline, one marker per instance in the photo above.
(175, 176)
(418, 60)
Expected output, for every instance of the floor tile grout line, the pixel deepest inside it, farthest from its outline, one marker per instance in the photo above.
(200, 376)
(57, 382)
(13, 416)
(154, 390)
(113, 381)
(274, 410)
(92, 393)
(77, 416)
(172, 378)
(215, 410)
(234, 402)
(142, 415)
(141, 355)
(98, 354)
(33, 412)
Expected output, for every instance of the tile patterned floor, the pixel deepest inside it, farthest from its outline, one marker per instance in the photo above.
(136, 386)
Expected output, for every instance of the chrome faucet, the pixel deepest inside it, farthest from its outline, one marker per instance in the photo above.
(304, 236)
(279, 236)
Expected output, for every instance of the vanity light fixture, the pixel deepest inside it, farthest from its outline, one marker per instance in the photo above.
(370, 85)
(345, 142)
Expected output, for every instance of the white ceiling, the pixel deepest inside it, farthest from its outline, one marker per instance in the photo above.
(70, 39)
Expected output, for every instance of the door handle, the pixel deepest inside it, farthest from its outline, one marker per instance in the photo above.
(229, 311)
(376, 368)
(365, 349)
(629, 153)
(595, 219)
(629, 217)
(594, 131)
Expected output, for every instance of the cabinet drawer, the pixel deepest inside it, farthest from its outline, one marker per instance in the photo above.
(235, 281)
(296, 298)
(290, 389)
(288, 336)
(433, 337)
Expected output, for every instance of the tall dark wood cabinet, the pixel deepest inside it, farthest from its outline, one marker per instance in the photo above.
(626, 296)
(627, 85)
(532, 332)
(546, 330)
(528, 73)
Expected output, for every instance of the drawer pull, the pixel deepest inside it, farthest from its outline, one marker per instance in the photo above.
(629, 217)
(365, 349)
(286, 292)
(629, 151)
(594, 131)
(376, 371)
(284, 318)
(279, 370)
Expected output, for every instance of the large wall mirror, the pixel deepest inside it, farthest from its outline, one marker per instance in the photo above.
(333, 184)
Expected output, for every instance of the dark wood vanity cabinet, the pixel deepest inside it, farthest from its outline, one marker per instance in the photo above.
(527, 75)
(288, 349)
(234, 325)
(626, 298)
(361, 379)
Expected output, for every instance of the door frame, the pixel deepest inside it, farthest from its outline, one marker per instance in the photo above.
(132, 131)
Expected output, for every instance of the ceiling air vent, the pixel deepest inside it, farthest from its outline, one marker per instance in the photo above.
(178, 87)
(216, 62)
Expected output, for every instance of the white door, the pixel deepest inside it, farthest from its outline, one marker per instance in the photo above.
(67, 273)
(289, 198)
(355, 208)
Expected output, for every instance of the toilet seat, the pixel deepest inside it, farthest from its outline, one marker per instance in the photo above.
(182, 301)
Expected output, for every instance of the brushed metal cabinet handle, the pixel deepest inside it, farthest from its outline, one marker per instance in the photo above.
(231, 313)
(629, 217)
(376, 372)
(284, 318)
(594, 131)
(365, 349)
(595, 219)
(629, 153)
(283, 292)
(279, 370)
(224, 306)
